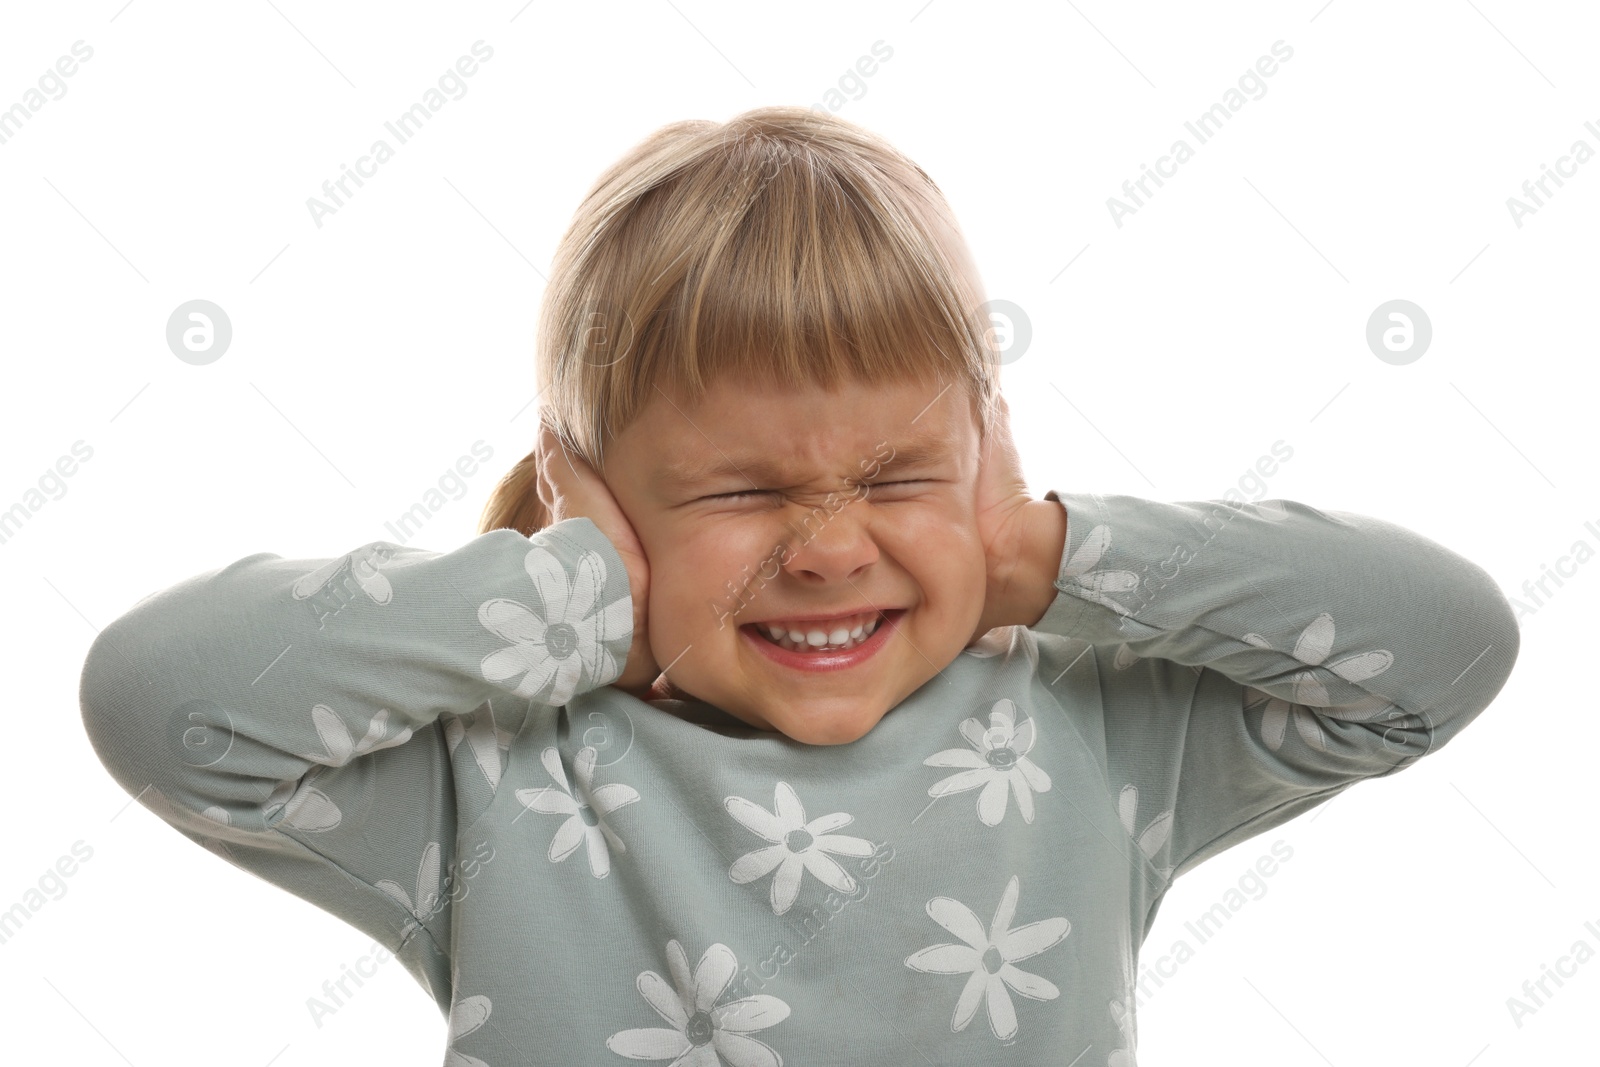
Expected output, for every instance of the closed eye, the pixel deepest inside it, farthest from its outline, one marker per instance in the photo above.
(769, 492)
(741, 496)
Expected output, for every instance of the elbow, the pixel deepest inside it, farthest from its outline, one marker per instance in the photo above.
(1497, 639)
(1485, 638)
(109, 691)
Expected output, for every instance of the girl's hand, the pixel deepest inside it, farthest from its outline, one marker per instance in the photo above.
(1001, 500)
(570, 488)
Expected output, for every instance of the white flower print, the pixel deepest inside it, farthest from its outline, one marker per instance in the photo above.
(1096, 585)
(995, 642)
(1311, 649)
(305, 807)
(703, 1034)
(428, 895)
(585, 809)
(487, 741)
(796, 846)
(308, 808)
(466, 1016)
(1155, 835)
(998, 760)
(156, 801)
(1006, 643)
(338, 746)
(366, 564)
(565, 644)
(989, 959)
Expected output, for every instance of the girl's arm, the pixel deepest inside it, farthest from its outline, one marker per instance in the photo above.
(336, 725)
(1253, 660)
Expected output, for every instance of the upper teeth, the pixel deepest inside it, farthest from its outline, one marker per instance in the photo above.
(836, 633)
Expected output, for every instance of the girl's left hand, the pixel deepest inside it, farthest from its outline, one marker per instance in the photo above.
(1002, 494)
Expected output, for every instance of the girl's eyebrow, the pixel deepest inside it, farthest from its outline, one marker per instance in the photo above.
(689, 473)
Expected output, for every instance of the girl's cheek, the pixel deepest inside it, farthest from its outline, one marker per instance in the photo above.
(710, 581)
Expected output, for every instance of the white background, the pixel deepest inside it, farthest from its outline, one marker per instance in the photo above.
(1167, 354)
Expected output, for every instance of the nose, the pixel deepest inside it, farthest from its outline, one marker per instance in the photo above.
(831, 544)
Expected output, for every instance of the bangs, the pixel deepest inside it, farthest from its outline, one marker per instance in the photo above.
(814, 279)
(788, 251)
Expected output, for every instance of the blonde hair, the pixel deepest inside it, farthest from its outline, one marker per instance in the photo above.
(784, 247)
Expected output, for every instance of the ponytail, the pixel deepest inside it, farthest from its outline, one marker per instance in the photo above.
(514, 502)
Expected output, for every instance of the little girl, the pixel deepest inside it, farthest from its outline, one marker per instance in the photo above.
(768, 718)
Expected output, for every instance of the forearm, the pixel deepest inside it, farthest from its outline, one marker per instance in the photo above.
(227, 685)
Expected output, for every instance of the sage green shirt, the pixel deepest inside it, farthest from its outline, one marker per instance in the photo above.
(426, 745)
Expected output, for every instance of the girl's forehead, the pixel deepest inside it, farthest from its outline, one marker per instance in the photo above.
(786, 416)
(680, 445)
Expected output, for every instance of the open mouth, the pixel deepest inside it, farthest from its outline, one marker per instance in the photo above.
(820, 638)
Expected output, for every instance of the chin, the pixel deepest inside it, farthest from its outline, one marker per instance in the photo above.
(829, 729)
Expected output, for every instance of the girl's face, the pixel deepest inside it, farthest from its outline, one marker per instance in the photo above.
(855, 500)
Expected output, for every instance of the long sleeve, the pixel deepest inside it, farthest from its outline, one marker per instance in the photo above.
(1253, 660)
(336, 725)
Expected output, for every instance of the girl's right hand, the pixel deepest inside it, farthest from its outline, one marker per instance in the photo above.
(570, 488)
